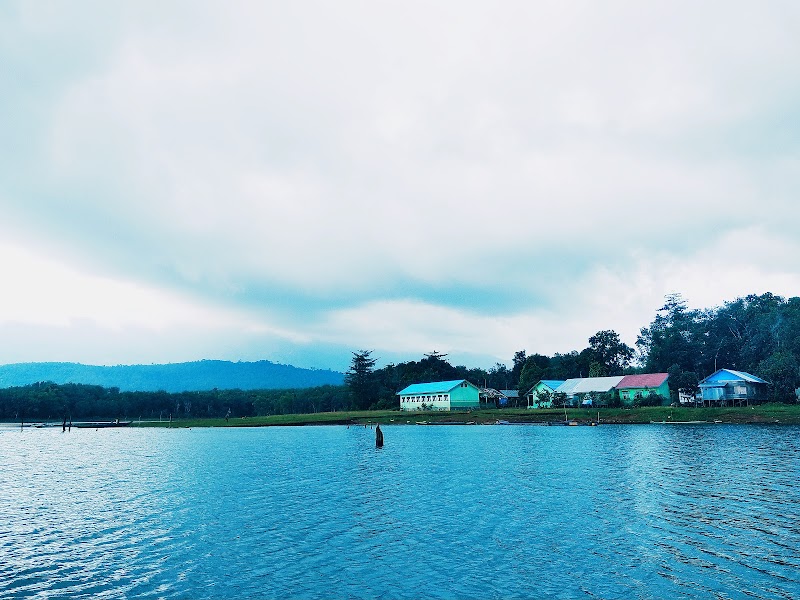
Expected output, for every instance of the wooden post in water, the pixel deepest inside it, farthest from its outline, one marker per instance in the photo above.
(378, 437)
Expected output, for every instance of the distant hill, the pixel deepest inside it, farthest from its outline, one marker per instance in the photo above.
(179, 377)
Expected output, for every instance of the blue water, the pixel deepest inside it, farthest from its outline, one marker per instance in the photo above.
(439, 512)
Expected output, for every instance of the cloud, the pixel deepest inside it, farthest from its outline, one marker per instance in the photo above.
(475, 176)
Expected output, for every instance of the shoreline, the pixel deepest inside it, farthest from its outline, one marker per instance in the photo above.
(776, 414)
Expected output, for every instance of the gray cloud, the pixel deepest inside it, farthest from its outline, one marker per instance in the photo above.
(306, 161)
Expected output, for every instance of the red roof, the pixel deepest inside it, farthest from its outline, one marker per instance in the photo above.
(646, 380)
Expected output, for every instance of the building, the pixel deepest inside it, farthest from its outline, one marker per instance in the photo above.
(728, 387)
(541, 394)
(459, 394)
(489, 397)
(588, 391)
(509, 397)
(634, 388)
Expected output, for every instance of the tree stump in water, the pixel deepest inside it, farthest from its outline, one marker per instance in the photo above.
(378, 437)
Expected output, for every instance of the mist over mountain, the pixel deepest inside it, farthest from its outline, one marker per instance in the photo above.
(178, 377)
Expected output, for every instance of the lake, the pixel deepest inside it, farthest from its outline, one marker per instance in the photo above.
(643, 511)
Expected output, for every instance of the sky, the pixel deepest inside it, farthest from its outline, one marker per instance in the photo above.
(294, 181)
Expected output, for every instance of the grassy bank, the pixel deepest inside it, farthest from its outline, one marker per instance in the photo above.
(766, 413)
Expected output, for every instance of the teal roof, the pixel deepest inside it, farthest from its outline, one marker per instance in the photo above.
(437, 387)
(552, 383)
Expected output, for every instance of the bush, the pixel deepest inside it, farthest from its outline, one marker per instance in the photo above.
(386, 404)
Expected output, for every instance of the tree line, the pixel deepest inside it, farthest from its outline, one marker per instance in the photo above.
(50, 401)
(757, 334)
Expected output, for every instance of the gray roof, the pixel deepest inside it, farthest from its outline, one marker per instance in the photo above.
(586, 385)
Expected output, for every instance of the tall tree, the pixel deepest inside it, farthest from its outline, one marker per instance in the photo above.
(676, 336)
(532, 371)
(610, 354)
(361, 380)
(519, 363)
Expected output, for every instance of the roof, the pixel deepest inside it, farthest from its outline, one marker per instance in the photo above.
(510, 393)
(436, 387)
(567, 386)
(727, 375)
(552, 383)
(585, 385)
(596, 384)
(645, 380)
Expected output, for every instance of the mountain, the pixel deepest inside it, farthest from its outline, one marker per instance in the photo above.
(178, 377)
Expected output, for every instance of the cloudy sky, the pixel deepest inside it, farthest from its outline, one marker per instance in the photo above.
(295, 180)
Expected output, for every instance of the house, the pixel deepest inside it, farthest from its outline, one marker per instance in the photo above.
(459, 394)
(587, 391)
(728, 387)
(541, 394)
(489, 397)
(509, 397)
(634, 388)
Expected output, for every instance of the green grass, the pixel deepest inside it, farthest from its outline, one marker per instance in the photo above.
(329, 418)
(765, 413)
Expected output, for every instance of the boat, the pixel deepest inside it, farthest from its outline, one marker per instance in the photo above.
(101, 424)
(679, 422)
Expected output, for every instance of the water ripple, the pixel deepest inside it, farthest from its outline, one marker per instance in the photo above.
(456, 512)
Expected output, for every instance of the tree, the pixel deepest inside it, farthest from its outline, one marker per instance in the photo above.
(559, 399)
(597, 369)
(676, 336)
(687, 381)
(610, 353)
(532, 372)
(781, 370)
(520, 358)
(499, 377)
(544, 399)
(361, 380)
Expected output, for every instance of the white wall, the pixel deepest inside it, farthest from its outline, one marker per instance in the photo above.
(432, 401)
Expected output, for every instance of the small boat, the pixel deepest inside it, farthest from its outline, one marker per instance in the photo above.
(101, 424)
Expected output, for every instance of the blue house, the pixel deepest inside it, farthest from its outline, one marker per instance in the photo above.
(728, 387)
